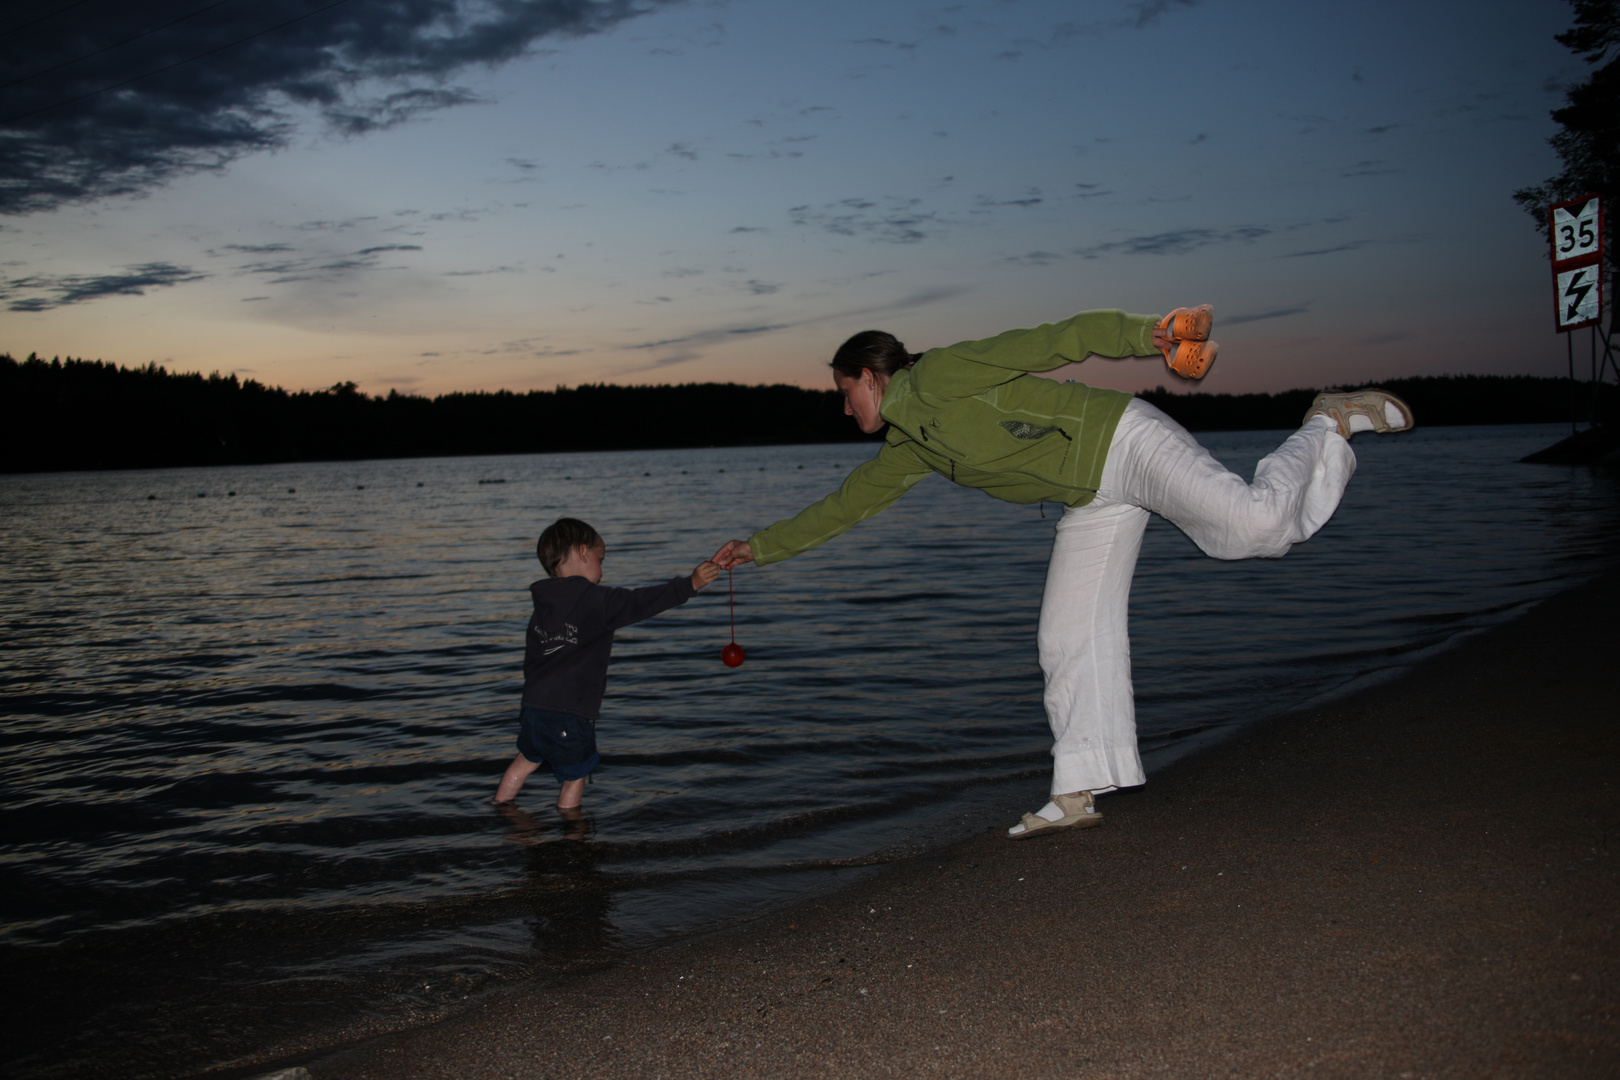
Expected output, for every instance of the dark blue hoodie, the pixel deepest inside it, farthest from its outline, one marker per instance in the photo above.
(565, 654)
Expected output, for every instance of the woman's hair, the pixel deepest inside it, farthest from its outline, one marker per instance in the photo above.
(561, 537)
(874, 349)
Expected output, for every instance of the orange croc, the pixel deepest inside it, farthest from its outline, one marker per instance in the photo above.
(1190, 352)
(1191, 359)
(1189, 324)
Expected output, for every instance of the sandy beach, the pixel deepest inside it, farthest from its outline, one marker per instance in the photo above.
(1419, 881)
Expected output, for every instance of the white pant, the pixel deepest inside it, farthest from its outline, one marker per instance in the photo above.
(1155, 466)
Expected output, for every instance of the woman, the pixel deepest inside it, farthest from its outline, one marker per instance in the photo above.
(973, 412)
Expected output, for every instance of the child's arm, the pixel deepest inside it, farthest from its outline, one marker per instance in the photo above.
(705, 574)
(621, 607)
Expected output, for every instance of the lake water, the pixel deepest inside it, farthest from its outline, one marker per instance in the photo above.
(250, 739)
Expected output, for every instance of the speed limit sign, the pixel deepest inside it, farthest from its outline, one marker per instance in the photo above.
(1576, 232)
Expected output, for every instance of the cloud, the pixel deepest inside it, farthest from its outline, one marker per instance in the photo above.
(891, 221)
(253, 249)
(1175, 242)
(1147, 12)
(1367, 168)
(494, 270)
(1280, 313)
(710, 337)
(324, 266)
(691, 346)
(99, 103)
(1035, 258)
(1139, 15)
(1031, 198)
(1349, 246)
(54, 292)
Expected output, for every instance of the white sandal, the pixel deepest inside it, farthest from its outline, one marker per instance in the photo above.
(1079, 812)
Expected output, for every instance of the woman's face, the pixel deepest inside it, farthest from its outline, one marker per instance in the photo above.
(863, 397)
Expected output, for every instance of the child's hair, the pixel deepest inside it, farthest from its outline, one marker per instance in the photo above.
(875, 349)
(561, 537)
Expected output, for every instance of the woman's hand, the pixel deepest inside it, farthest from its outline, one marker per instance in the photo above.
(733, 553)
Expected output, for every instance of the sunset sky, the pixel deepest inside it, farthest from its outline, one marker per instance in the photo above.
(510, 194)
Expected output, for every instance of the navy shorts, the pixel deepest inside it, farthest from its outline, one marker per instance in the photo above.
(565, 742)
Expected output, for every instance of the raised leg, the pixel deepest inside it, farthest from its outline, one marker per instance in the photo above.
(1155, 464)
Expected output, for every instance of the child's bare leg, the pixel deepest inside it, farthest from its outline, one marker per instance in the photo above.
(573, 791)
(516, 773)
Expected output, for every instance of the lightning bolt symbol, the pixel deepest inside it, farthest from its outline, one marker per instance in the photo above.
(1575, 294)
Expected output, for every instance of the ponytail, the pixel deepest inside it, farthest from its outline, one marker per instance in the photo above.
(874, 350)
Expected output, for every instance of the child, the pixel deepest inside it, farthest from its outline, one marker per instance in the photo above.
(565, 656)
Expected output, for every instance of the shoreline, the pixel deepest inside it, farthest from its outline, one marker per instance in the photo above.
(1419, 880)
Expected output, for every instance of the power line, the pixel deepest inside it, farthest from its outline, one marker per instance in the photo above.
(115, 45)
(170, 67)
(42, 18)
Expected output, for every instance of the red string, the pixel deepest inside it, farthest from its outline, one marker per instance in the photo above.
(731, 600)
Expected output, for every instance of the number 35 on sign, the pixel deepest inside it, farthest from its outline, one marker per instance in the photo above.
(1576, 232)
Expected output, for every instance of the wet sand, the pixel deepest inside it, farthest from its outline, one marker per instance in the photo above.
(1421, 881)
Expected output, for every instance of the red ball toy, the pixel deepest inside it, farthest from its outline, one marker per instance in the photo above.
(732, 655)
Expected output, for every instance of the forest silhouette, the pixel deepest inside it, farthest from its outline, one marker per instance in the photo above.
(86, 414)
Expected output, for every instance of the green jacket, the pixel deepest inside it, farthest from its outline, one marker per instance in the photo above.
(973, 413)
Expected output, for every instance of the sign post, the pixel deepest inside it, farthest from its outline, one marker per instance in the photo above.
(1576, 232)
(1575, 228)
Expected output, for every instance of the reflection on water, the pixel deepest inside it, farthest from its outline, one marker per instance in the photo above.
(250, 740)
(571, 897)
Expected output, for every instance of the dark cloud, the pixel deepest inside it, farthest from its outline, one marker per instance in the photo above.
(1175, 242)
(1147, 12)
(1367, 168)
(691, 346)
(318, 267)
(255, 249)
(892, 220)
(1031, 198)
(107, 97)
(1138, 15)
(43, 292)
(1280, 313)
(1350, 246)
(710, 337)
(495, 270)
(1035, 258)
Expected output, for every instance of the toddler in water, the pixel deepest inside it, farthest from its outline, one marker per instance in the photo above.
(565, 655)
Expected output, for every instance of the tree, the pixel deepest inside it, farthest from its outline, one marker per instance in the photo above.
(1589, 144)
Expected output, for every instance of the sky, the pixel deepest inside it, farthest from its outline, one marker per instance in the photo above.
(439, 195)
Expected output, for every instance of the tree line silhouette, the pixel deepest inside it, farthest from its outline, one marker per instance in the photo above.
(86, 414)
